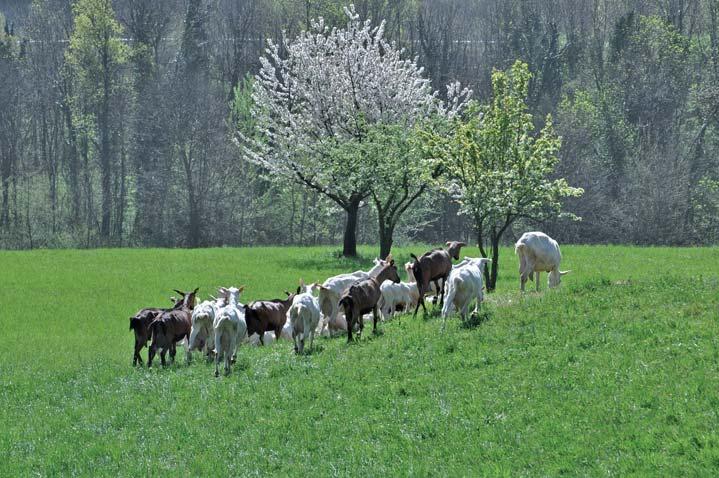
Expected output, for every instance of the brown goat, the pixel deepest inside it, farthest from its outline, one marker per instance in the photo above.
(264, 315)
(140, 325)
(363, 296)
(170, 327)
(434, 266)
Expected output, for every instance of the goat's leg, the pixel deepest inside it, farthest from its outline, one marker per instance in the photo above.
(420, 302)
(151, 355)
(374, 319)
(162, 356)
(228, 359)
(536, 277)
(312, 339)
(136, 357)
(522, 281)
(173, 352)
(349, 328)
(217, 363)
(444, 282)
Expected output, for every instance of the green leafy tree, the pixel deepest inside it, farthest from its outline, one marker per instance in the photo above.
(497, 168)
(399, 173)
(95, 58)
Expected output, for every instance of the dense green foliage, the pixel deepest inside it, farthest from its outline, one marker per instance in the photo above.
(614, 373)
(632, 87)
(498, 171)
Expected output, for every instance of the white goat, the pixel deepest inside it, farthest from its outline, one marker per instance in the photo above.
(304, 315)
(202, 334)
(463, 285)
(230, 328)
(332, 290)
(538, 252)
(411, 279)
(404, 293)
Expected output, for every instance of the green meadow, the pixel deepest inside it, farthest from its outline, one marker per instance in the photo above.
(615, 373)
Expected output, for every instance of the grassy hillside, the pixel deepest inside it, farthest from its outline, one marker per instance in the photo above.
(614, 373)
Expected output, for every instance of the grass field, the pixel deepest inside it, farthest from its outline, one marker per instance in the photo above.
(615, 373)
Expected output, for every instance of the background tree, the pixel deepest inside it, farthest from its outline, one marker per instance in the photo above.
(324, 93)
(631, 85)
(400, 174)
(95, 56)
(499, 170)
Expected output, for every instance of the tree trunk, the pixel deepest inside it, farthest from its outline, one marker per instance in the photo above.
(72, 163)
(349, 248)
(492, 283)
(385, 236)
(105, 170)
(193, 230)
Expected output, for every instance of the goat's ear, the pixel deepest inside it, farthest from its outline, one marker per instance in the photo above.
(241, 288)
(302, 282)
(391, 262)
(389, 258)
(195, 291)
(448, 243)
(563, 273)
(462, 244)
(173, 298)
(179, 292)
(299, 289)
(288, 294)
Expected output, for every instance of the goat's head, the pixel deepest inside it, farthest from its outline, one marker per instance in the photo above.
(189, 299)
(555, 277)
(453, 248)
(307, 289)
(290, 297)
(231, 293)
(389, 272)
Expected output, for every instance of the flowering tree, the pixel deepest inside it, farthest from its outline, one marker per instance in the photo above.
(498, 169)
(319, 94)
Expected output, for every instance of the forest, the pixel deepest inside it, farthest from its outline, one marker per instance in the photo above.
(125, 123)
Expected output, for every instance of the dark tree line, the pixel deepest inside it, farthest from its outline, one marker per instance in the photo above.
(118, 118)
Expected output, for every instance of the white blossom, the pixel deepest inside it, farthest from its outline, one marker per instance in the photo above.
(323, 88)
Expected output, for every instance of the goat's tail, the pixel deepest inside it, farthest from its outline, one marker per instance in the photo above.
(157, 326)
(414, 257)
(135, 323)
(346, 302)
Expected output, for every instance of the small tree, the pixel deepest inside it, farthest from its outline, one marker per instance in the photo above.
(322, 92)
(498, 169)
(399, 174)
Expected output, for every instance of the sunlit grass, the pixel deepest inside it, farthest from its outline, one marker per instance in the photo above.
(614, 373)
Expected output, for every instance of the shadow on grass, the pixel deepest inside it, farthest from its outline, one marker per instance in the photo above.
(317, 348)
(476, 319)
(433, 312)
(367, 336)
(330, 260)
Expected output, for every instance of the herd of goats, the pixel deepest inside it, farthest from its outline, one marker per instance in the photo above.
(217, 326)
